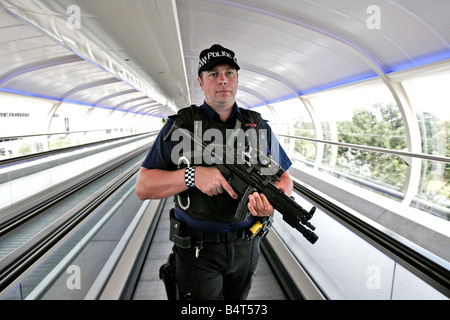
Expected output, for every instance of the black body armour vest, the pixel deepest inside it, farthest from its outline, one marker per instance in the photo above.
(220, 208)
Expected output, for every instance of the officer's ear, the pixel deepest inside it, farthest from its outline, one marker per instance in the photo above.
(200, 80)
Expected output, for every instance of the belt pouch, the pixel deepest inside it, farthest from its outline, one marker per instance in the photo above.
(178, 235)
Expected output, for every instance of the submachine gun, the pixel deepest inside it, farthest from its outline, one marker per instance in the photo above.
(246, 176)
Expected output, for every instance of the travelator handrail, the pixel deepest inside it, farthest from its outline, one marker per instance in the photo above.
(32, 156)
(430, 268)
(69, 132)
(400, 153)
(16, 264)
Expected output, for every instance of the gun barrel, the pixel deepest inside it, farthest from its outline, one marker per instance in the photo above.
(308, 234)
(295, 215)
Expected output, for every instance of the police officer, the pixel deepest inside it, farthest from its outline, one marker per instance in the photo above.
(213, 258)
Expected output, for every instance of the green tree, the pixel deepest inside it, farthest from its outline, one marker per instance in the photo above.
(304, 149)
(381, 126)
(435, 141)
(24, 149)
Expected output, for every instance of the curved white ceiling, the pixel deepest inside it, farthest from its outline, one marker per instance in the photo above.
(141, 56)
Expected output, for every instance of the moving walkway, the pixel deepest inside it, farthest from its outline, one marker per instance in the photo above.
(113, 248)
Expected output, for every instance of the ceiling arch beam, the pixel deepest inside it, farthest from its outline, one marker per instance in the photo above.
(422, 21)
(114, 95)
(138, 107)
(5, 78)
(149, 106)
(365, 55)
(103, 82)
(130, 101)
(254, 94)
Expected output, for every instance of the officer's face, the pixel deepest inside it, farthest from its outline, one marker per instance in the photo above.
(219, 86)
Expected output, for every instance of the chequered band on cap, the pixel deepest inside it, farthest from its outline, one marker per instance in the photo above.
(216, 55)
(189, 176)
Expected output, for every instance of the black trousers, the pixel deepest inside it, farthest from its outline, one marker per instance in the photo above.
(222, 271)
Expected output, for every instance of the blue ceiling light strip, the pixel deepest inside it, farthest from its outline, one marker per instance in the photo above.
(402, 66)
(30, 94)
(333, 85)
(420, 61)
(327, 86)
(290, 96)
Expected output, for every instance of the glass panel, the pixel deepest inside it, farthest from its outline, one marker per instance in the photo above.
(294, 119)
(97, 123)
(21, 116)
(430, 98)
(119, 125)
(381, 173)
(67, 118)
(266, 114)
(15, 179)
(364, 115)
(434, 189)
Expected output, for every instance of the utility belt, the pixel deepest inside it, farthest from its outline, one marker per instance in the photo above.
(184, 237)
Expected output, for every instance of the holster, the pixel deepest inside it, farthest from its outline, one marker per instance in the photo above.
(167, 275)
(180, 237)
(179, 234)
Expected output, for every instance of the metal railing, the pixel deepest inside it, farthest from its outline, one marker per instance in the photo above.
(400, 153)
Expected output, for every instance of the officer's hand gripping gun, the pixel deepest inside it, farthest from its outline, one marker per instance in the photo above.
(246, 179)
(247, 175)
